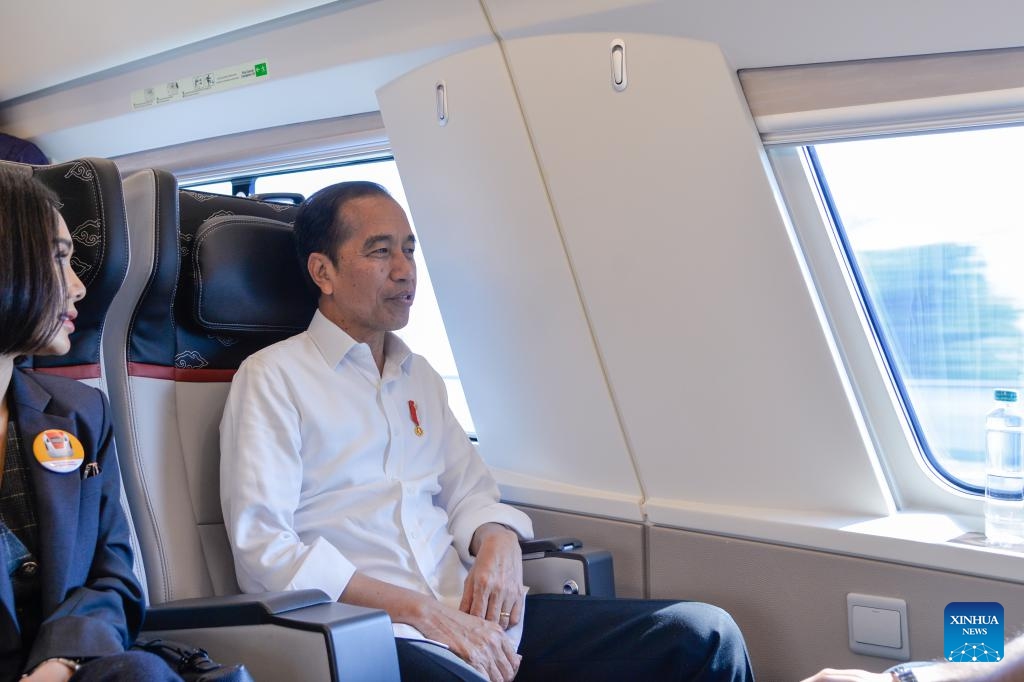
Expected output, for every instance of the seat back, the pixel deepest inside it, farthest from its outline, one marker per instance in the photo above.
(219, 266)
(92, 205)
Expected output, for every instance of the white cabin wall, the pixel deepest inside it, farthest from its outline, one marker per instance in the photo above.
(349, 49)
(323, 63)
(327, 61)
(526, 356)
(755, 34)
(109, 33)
(722, 371)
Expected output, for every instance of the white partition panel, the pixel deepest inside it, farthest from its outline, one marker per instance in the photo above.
(525, 353)
(727, 383)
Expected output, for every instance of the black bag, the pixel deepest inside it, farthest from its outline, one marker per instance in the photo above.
(194, 665)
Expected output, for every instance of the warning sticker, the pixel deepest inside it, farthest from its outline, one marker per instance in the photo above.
(200, 84)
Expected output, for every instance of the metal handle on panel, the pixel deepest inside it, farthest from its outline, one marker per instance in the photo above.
(441, 97)
(618, 52)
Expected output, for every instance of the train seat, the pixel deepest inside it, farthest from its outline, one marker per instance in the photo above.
(90, 195)
(169, 379)
(220, 281)
(236, 300)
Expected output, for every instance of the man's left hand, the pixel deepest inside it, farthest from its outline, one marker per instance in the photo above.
(494, 587)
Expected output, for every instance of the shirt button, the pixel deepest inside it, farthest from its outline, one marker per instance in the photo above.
(28, 569)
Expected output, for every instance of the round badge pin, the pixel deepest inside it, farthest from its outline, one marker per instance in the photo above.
(58, 451)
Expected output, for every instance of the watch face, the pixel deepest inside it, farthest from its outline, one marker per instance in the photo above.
(904, 675)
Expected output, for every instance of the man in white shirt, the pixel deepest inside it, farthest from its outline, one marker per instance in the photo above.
(343, 469)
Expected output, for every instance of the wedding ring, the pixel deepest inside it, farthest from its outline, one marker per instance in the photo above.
(505, 614)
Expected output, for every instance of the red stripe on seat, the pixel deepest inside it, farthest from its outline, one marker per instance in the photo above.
(196, 376)
(72, 371)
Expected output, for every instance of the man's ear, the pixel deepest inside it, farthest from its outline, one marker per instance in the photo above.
(320, 269)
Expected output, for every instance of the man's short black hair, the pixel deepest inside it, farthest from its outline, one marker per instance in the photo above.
(320, 226)
(33, 293)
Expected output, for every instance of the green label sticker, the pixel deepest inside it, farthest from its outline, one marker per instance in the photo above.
(261, 69)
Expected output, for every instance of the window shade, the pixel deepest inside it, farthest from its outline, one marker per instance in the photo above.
(842, 100)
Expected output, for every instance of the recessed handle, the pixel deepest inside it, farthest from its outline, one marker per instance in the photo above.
(618, 54)
(441, 97)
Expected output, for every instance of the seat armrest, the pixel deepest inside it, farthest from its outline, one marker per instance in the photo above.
(234, 609)
(552, 544)
(312, 636)
(561, 565)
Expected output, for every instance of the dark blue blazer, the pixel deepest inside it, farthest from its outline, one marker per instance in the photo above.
(92, 604)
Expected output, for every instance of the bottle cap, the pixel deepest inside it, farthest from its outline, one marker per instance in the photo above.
(1005, 395)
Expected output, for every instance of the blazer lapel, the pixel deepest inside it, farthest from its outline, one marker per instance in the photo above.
(57, 494)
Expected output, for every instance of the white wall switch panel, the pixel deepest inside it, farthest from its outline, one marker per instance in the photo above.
(878, 626)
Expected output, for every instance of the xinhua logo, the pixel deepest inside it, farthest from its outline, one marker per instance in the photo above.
(974, 632)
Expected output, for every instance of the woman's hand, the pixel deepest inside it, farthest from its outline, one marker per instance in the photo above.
(50, 671)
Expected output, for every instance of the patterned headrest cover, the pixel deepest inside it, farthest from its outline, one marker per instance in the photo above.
(237, 290)
(247, 278)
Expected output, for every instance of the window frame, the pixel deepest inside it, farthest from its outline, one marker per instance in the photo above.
(921, 437)
(915, 483)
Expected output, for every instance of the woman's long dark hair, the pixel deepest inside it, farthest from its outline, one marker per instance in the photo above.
(33, 294)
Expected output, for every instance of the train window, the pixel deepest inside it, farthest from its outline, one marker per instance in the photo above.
(931, 228)
(212, 187)
(425, 332)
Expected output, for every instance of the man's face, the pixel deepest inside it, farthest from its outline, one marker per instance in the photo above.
(371, 289)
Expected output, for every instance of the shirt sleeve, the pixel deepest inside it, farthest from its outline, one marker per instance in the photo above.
(261, 480)
(469, 492)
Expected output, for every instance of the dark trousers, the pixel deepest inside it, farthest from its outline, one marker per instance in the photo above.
(131, 665)
(588, 638)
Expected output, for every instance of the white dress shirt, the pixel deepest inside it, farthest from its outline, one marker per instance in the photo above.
(322, 472)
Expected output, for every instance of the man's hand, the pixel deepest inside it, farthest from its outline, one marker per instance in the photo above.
(830, 675)
(494, 587)
(481, 644)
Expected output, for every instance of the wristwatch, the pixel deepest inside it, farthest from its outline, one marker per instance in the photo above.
(901, 674)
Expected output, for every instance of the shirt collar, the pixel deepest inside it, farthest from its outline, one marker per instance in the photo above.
(335, 344)
(396, 352)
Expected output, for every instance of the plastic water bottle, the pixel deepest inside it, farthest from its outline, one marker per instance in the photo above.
(1004, 473)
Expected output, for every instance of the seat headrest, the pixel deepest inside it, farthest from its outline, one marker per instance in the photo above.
(247, 277)
(92, 204)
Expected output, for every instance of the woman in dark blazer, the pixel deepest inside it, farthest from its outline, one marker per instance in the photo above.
(70, 605)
